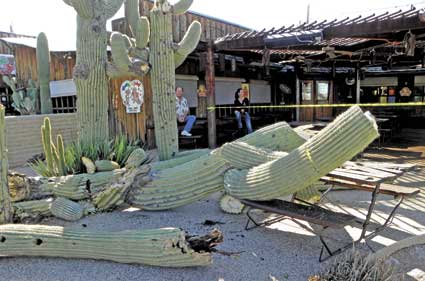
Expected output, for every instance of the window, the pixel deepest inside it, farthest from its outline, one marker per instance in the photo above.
(322, 90)
(307, 90)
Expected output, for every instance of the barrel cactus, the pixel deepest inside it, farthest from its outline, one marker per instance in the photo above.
(66, 209)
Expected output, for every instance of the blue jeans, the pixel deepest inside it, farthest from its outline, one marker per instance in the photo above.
(190, 121)
(247, 121)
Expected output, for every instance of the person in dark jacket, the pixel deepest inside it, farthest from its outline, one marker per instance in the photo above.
(242, 100)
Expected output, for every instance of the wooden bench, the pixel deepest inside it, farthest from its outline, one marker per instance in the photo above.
(190, 140)
(372, 177)
(364, 176)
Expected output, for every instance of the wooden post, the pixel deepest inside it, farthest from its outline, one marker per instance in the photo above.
(5, 207)
(210, 81)
(358, 85)
(297, 97)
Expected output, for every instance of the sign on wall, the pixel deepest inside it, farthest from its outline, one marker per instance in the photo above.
(7, 65)
(132, 94)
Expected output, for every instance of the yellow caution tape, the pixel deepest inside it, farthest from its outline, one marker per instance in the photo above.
(401, 104)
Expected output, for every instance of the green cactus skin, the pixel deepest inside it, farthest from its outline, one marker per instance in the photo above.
(174, 187)
(32, 209)
(340, 141)
(46, 139)
(180, 158)
(181, 6)
(55, 156)
(66, 209)
(74, 187)
(90, 71)
(241, 155)
(61, 156)
(43, 69)
(5, 205)
(165, 247)
(188, 43)
(136, 158)
(106, 165)
(162, 52)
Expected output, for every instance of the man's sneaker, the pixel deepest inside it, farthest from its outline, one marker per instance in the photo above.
(186, 134)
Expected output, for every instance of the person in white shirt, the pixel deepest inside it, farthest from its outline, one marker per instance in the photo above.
(182, 111)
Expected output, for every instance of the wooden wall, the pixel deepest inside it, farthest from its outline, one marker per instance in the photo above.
(135, 126)
(61, 64)
(211, 28)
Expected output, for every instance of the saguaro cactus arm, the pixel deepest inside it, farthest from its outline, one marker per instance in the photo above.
(188, 43)
(348, 135)
(124, 64)
(166, 247)
(181, 6)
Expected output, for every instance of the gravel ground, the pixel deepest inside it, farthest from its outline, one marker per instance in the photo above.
(283, 252)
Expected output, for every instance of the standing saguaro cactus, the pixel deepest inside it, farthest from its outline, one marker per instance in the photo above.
(5, 207)
(90, 71)
(164, 57)
(43, 68)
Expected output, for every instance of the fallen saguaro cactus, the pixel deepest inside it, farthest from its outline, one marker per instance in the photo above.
(197, 179)
(340, 141)
(166, 247)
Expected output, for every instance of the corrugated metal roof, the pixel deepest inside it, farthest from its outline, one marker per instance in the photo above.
(54, 45)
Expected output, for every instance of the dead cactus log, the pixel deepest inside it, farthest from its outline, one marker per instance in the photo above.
(165, 247)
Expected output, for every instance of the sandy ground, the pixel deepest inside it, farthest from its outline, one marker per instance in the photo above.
(283, 251)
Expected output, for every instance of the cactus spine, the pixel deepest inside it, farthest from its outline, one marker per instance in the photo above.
(348, 135)
(43, 66)
(165, 247)
(55, 157)
(5, 207)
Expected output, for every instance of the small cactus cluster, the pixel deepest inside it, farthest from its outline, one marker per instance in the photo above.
(355, 266)
(24, 101)
(55, 155)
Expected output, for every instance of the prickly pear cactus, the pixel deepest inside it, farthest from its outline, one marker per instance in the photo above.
(43, 68)
(23, 101)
